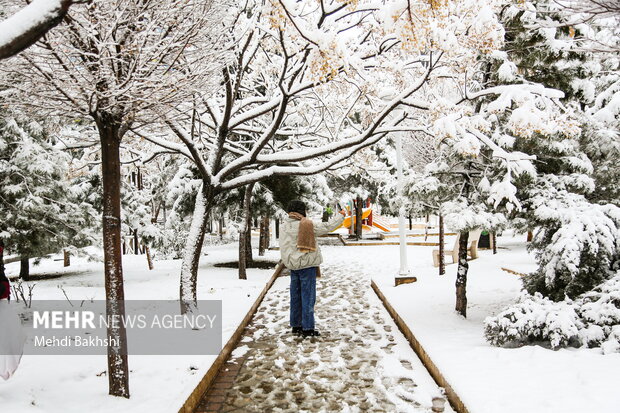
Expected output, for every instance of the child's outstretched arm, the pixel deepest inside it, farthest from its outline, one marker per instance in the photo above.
(322, 228)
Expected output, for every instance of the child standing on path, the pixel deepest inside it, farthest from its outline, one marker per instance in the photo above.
(301, 254)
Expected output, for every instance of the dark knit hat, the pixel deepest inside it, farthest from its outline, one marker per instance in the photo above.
(297, 206)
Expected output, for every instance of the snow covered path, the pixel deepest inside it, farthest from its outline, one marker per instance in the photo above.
(361, 362)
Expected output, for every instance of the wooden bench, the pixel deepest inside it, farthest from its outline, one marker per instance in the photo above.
(472, 251)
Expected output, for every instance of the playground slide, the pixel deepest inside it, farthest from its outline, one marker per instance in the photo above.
(365, 213)
(347, 220)
(381, 227)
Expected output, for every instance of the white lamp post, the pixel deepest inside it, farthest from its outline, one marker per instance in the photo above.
(404, 268)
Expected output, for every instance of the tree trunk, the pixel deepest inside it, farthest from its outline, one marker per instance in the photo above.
(358, 217)
(410, 222)
(267, 231)
(494, 240)
(245, 242)
(264, 236)
(248, 244)
(442, 259)
(24, 269)
(261, 237)
(242, 257)
(66, 258)
(192, 251)
(1, 258)
(118, 371)
(277, 228)
(530, 236)
(461, 275)
(351, 213)
(136, 242)
(149, 259)
(155, 212)
(248, 233)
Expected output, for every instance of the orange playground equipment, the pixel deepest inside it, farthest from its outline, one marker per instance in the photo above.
(371, 221)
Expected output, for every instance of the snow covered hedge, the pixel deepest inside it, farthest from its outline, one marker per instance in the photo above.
(599, 311)
(577, 244)
(534, 319)
(592, 320)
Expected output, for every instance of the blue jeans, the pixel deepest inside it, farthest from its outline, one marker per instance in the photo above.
(303, 297)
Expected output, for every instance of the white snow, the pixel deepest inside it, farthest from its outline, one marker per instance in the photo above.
(239, 351)
(67, 384)
(507, 71)
(490, 379)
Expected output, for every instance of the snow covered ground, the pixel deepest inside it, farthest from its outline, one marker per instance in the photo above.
(157, 383)
(361, 363)
(489, 379)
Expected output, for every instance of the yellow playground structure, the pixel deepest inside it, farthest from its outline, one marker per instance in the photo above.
(371, 221)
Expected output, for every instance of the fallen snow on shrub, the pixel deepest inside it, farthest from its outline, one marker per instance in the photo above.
(534, 320)
(592, 320)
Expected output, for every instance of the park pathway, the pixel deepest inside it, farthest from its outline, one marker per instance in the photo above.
(361, 363)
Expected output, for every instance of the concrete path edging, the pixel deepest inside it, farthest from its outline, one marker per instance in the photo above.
(454, 399)
(207, 380)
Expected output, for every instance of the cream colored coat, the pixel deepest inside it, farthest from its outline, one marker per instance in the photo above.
(294, 259)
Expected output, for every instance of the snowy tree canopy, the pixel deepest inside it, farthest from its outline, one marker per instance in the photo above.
(43, 208)
(116, 60)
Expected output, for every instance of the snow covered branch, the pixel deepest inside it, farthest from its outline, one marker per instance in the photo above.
(28, 25)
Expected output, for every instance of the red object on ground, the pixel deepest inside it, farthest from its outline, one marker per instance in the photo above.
(6, 290)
